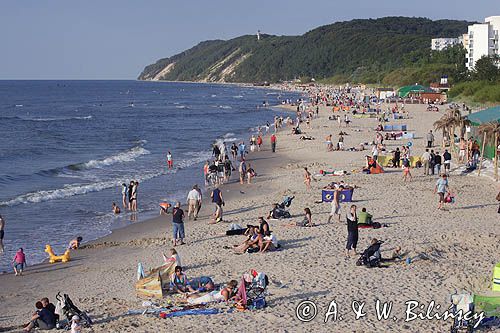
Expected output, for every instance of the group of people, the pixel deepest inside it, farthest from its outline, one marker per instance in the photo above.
(129, 197)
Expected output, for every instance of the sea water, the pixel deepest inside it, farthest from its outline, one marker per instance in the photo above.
(67, 146)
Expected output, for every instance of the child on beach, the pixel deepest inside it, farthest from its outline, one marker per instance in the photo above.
(170, 162)
(19, 262)
(75, 324)
(174, 257)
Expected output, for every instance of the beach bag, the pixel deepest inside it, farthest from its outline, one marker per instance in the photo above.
(450, 198)
(259, 303)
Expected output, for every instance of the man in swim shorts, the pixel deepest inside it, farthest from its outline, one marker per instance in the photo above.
(336, 204)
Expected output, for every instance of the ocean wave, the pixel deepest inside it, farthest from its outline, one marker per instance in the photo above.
(181, 107)
(225, 107)
(47, 119)
(238, 96)
(128, 155)
(80, 189)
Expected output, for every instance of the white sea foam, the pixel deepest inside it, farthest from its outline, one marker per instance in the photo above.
(80, 189)
(126, 156)
(224, 107)
(58, 118)
(182, 107)
(238, 96)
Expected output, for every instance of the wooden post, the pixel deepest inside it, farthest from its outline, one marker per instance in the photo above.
(496, 156)
(481, 156)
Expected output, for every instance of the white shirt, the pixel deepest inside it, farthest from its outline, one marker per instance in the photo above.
(272, 238)
(426, 156)
(194, 195)
(374, 151)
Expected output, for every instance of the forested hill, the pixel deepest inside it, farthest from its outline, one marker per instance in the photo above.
(340, 48)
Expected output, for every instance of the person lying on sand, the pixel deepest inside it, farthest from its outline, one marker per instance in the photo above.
(202, 284)
(225, 294)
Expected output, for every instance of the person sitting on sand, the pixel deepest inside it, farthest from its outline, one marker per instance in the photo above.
(263, 226)
(269, 242)
(306, 222)
(364, 217)
(115, 208)
(225, 294)
(253, 240)
(174, 257)
(42, 319)
(179, 281)
(74, 244)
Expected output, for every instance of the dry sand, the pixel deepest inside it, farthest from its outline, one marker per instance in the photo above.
(462, 245)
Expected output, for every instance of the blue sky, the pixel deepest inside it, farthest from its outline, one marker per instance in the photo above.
(110, 39)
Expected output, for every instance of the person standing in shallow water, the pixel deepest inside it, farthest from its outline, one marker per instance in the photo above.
(2, 233)
(170, 161)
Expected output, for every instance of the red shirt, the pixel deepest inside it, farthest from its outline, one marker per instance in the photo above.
(273, 138)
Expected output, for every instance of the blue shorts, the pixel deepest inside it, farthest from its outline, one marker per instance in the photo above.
(19, 266)
(178, 230)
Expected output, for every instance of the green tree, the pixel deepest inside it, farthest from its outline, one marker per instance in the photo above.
(486, 69)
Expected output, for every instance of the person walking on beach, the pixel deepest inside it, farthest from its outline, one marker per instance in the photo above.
(129, 192)
(352, 231)
(19, 262)
(170, 162)
(124, 195)
(241, 149)
(437, 163)
(441, 188)
(178, 225)
(250, 174)
(430, 139)
(329, 143)
(215, 151)
(218, 200)
(336, 204)
(234, 151)
(193, 201)
(242, 168)
(341, 142)
(2, 233)
(273, 143)
(205, 171)
(307, 179)
(426, 158)
(259, 142)
(396, 158)
(406, 170)
(447, 161)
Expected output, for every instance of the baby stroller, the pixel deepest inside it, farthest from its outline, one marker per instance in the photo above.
(371, 257)
(462, 302)
(287, 201)
(66, 308)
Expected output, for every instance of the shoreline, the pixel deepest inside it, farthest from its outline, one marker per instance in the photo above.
(311, 265)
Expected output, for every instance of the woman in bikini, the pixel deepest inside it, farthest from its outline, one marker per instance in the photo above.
(307, 179)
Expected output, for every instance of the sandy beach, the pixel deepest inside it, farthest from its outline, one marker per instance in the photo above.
(460, 244)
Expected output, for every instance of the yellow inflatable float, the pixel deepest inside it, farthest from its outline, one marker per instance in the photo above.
(53, 258)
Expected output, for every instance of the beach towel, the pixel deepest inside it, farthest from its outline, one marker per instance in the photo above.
(191, 312)
(374, 225)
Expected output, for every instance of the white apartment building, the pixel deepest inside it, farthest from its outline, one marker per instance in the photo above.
(439, 44)
(483, 40)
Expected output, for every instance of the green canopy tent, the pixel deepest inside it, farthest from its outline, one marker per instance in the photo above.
(485, 116)
(415, 89)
